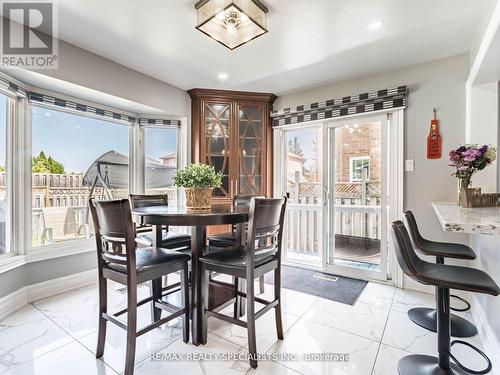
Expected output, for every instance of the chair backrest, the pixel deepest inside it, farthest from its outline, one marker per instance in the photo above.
(405, 254)
(244, 200)
(140, 200)
(265, 228)
(416, 237)
(114, 232)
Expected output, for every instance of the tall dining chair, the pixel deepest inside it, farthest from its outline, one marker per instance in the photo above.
(119, 259)
(170, 240)
(229, 239)
(260, 255)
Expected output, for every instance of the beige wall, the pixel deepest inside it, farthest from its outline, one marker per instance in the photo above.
(435, 84)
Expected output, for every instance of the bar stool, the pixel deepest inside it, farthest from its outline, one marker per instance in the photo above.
(444, 278)
(426, 317)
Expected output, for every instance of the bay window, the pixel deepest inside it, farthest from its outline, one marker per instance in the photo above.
(160, 160)
(74, 157)
(75, 151)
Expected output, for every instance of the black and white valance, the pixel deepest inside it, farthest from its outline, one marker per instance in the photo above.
(12, 88)
(159, 122)
(51, 101)
(348, 105)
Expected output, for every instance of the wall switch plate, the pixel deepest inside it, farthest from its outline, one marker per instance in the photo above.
(409, 165)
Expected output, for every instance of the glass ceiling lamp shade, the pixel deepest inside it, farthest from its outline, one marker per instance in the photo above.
(231, 22)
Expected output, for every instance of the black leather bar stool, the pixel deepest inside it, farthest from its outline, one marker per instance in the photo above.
(444, 278)
(426, 317)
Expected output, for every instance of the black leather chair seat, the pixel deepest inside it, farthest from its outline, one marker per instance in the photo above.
(149, 258)
(222, 239)
(456, 277)
(233, 257)
(446, 250)
(169, 239)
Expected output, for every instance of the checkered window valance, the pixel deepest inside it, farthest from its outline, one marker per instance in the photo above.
(158, 122)
(79, 108)
(348, 105)
(11, 88)
(8, 86)
(57, 103)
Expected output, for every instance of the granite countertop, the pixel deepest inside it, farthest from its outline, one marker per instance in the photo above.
(483, 220)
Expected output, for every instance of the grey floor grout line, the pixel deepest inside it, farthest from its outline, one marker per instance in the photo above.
(383, 333)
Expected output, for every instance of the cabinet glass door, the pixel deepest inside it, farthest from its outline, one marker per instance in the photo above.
(250, 148)
(217, 144)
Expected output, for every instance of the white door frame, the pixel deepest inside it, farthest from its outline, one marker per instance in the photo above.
(395, 122)
(329, 209)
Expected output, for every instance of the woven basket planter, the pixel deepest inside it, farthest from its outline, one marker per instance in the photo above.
(198, 199)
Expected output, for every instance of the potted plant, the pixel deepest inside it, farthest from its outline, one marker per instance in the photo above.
(198, 181)
(467, 160)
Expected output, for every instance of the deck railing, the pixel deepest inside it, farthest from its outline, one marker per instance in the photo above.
(68, 190)
(357, 214)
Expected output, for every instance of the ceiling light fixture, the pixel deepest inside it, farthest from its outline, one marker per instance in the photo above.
(231, 22)
(375, 25)
(222, 76)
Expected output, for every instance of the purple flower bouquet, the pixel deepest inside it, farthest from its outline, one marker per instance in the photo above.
(468, 159)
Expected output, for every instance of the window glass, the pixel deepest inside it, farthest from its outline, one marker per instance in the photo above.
(3, 174)
(358, 167)
(74, 157)
(160, 145)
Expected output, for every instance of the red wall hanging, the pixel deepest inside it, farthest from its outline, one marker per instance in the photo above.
(434, 139)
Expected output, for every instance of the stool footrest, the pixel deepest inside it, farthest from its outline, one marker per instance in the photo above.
(480, 352)
(467, 304)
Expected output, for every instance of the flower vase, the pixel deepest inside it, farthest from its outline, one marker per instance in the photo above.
(466, 195)
(198, 198)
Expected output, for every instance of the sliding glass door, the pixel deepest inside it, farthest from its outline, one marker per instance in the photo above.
(357, 197)
(335, 175)
(304, 184)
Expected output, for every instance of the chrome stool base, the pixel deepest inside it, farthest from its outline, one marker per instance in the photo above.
(427, 318)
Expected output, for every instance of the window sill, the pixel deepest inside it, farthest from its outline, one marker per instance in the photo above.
(41, 253)
(10, 261)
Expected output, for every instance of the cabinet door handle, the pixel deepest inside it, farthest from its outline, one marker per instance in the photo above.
(236, 189)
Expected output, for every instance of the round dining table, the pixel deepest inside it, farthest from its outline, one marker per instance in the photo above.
(198, 220)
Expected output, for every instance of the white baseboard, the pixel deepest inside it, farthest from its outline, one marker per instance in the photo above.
(12, 302)
(45, 289)
(490, 343)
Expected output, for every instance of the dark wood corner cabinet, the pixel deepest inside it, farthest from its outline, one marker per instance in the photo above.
(231, 130)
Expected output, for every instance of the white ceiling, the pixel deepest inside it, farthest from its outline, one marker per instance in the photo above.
(310, 41)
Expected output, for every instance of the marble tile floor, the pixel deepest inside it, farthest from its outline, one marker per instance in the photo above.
(58, 336)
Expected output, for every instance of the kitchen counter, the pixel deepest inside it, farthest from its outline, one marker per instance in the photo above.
(481, 220)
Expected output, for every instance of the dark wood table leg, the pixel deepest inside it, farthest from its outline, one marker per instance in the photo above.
(197, 303)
